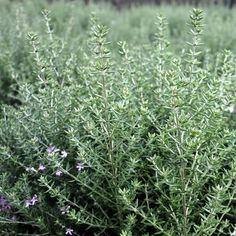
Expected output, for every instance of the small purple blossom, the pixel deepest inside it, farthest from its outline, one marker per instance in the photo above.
(2, 201)
(7, 206)
(64, 154)
(79, 166)
(3, 204)
(69, 231)
(52, 149)
(58, 172)
(32, 201)
(41, 167)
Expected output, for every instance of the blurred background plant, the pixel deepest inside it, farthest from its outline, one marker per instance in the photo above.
(70, 22)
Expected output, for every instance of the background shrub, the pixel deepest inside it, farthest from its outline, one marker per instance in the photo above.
(70, 26)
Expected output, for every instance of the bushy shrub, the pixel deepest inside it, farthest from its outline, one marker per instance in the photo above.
(70, 23)
(138, 143)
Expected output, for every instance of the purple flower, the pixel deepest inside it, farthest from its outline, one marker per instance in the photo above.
(32, 201)
(52, 149)
(2, 201)
(41, 167)
(58, 172)
(64, 154)
(69, 231)
(7, 206)
(3, 204)
(79, 166)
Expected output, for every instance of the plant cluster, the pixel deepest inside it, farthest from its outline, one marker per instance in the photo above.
(70, 25)
(134, 141)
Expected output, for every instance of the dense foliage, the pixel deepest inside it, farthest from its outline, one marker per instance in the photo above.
(98, 138)
(70, 24)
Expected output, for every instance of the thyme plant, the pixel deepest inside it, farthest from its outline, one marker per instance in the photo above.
(135, 142)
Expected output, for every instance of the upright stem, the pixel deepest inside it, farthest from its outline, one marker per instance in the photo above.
(109, 145)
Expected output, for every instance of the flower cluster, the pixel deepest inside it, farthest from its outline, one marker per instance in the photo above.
(54, 150)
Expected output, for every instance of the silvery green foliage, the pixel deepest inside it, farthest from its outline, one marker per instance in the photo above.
(138, 143)
(68, 28)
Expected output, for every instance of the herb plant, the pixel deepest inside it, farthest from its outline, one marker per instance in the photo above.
(134, 141)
